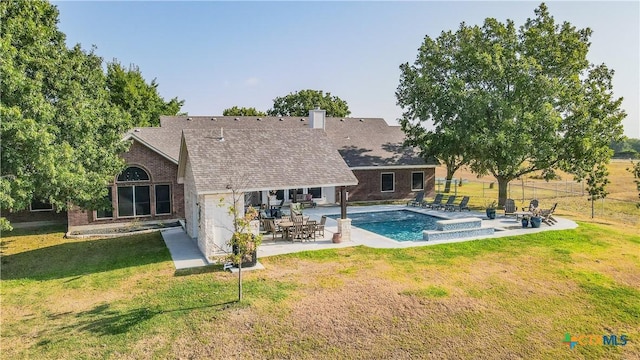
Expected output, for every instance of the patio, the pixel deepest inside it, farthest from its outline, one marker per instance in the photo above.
(505, 226)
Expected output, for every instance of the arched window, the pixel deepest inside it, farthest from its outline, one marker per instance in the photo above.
(133, 200)
(133, 173)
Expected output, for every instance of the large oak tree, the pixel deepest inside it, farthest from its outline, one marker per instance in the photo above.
(521, 100)
(61, 127)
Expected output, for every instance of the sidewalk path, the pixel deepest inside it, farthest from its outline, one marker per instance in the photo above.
(184, 251)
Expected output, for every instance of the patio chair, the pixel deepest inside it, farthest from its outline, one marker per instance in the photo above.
(297, 230)
(450, 201)
(296, 209)
(547, 215)
(463, 205)
(310, 229)
(270, 227)
(532, 205)
(510, 207)
(437, 201)
(320, 227)
(418, 200)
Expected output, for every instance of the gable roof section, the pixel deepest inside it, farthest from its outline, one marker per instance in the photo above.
(371, 143)
(366, 142)
(165, 142)
(252, 160)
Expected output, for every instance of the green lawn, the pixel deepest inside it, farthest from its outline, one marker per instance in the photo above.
(511, 297)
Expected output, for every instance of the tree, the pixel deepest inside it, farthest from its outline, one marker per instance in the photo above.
(528, 99)
(130, 92)
(300, 102)
(60, 134)
(243, 111)
(242, 242)
(596, 185)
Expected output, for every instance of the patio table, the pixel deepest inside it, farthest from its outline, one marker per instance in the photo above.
(522, 214)
(286, 225)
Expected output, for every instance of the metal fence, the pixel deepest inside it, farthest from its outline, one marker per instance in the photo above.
(517, 189)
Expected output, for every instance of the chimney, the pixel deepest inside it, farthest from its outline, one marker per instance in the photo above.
(317, 119)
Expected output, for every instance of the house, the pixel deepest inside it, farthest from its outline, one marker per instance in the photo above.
(218, 167)
(148, 190)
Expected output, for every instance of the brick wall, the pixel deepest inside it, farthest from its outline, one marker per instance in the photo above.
(369, 185)
(160, 170)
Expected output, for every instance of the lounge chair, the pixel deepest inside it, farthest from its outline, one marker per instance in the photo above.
(418, 200)
(437, 201)
(463, 205)
(510, 207)
(450, 201)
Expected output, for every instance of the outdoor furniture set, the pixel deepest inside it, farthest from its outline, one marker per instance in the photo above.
(295, 228)
(533, 214)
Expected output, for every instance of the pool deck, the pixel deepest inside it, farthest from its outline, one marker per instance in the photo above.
(185, 252)
(508, 226)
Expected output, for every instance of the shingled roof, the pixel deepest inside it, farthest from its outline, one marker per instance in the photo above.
(252, 160)
(165, 141)
(362, 142)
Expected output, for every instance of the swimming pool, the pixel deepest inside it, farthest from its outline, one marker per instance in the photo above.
(399, 225)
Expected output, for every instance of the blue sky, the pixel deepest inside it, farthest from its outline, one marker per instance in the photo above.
(215, 55)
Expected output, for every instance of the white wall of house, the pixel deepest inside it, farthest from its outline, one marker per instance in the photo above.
(328, 195)
(216, 225)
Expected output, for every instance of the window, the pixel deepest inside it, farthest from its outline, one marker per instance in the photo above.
(133, 201)
(298, 193)
(316, 192)
(163, 199)
(388, 182)
(106, 214)
(133, 173)
(417, 181)
(40, 205)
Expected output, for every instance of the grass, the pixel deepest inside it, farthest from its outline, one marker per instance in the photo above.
(510, 297)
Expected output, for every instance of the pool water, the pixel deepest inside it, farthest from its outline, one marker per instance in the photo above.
(400, 225)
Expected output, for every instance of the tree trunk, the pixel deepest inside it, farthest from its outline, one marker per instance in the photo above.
(447, 183)
(240, 281)
(503, 184)
(593, 208)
